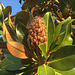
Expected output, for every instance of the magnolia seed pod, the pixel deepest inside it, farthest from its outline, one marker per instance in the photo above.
(37, 32)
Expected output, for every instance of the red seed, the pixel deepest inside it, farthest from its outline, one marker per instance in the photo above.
(36, 29)
(33, 39)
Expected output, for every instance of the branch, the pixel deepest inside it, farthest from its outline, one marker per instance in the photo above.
(38, 53)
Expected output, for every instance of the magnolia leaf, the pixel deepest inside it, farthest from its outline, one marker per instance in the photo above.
(31, 17)
(2, 5)
(22, 17)
(59, 27)
(14, 66)
(43, 49)
(16, 49)
(25, 4)
(65, 36)
(10, 35)
(4, 72)
(50, 29)
(8, 32)
(68, 72)
(5, 51)
(67, 40)
(11, 63)
(50, 32)
(45, 70)
(63, 58)
(22, 34)
(62, 27)
(6, 11)
(29, 3)
(4, 29)
(1, 18)
(10, 22)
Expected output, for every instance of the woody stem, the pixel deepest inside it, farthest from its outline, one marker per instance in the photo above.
(38, 53)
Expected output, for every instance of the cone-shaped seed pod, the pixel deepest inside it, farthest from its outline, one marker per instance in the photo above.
(37, 32)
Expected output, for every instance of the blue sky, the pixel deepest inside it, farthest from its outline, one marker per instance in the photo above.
(16, 6)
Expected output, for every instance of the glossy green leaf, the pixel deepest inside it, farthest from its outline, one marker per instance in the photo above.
(6, 11)
(5, 51)
(60, 38)
(43, 49)
(11, 61)
(25, 4)
(22, 17)
(22, 33)
(2, 5)
(4, 72)
(65, 37)
(31, 17)
(29, 3)
(69, 72)
(50, 29)
(54, 18)
(50, 33)
(67, 40)
(14, 66)
(61, 27)
(63, 58)
(45, 70)
(1, 18)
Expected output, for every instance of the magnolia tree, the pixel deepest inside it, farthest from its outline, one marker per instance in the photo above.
(39, 40)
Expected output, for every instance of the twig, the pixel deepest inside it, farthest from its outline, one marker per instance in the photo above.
(40, 62)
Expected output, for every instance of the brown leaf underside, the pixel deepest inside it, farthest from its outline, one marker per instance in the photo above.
(16, 49)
